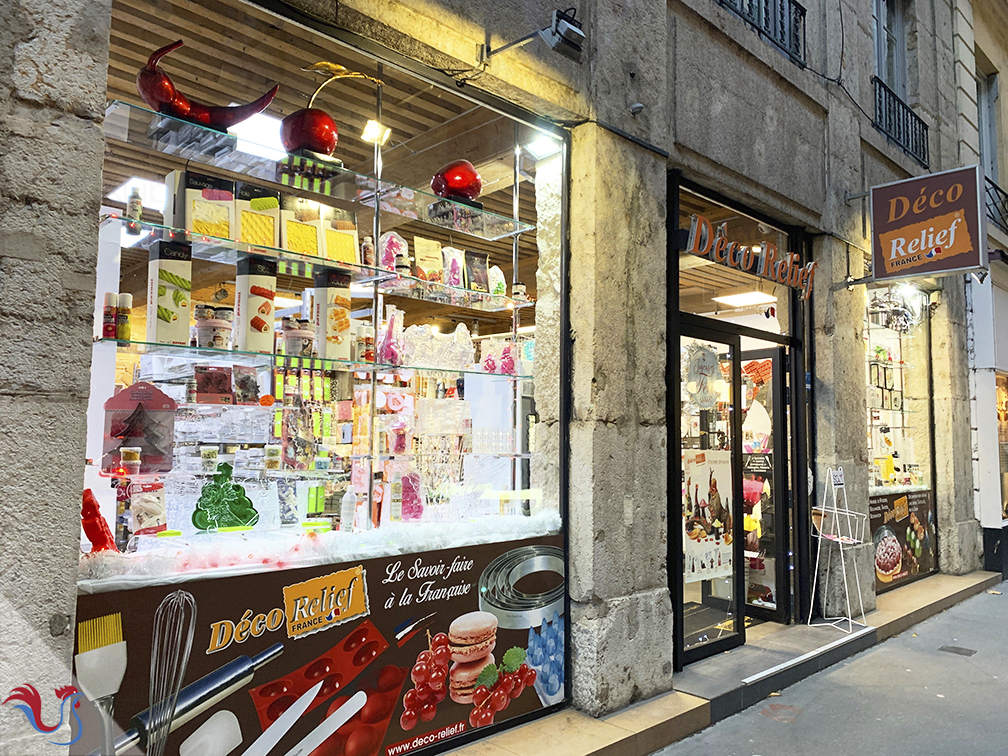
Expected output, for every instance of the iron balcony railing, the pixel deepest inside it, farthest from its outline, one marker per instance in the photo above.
(997, 205)
(896, 120)
(780, 21)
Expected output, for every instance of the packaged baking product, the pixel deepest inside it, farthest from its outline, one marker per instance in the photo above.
(213, 334)
(213, 384)
(498, 284)
(257, 216)
(169, 286)
(147, 508)
(300, 226)
(339, 236)
(476, 271)
(453, 265)
(429, 263)
(199, 203)
(246, 384)
(255, 290)
(391, 246)
(331, 314)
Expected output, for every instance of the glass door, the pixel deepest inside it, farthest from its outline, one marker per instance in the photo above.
(710, 595)
(765, 500)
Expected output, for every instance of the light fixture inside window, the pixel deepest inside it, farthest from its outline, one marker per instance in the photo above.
(260, 136)
(152, 193)
(543, 146)
(375, 133)
(746, 299)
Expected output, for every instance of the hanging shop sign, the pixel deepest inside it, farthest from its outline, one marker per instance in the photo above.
(929, 225)
(703, 377)
(762, 259)
(378, 656)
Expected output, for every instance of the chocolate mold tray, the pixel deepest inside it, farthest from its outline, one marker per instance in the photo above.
(337, 667)
(364, 733)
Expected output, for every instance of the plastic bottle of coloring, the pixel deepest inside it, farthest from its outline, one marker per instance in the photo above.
(134, 212)
(109, 313)
(124, 311)
(348, 509)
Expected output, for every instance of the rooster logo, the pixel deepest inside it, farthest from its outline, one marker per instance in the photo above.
(31, 705)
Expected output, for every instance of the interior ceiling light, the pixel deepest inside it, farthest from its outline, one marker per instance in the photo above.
(260, 136)
(542, 147)
(746, 299)
(565, 36)
(152, 193)
(375, 133)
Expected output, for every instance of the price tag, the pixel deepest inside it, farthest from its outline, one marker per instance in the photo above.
(837, 478)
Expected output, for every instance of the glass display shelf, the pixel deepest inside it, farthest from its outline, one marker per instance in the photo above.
(266, 360)
(228, 251)
(323, 180)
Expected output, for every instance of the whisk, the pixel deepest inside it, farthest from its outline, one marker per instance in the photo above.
(174, 625)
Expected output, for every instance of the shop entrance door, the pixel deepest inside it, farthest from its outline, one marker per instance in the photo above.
(765, 490)
(709, 600)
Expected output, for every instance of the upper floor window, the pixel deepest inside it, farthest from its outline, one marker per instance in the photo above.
(890, 44)
(987, 122)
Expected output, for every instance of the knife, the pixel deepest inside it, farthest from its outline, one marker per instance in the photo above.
(272, 734)
(333, 722)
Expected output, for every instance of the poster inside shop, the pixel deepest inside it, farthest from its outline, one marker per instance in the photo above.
(373, 658)
(707, 516)
(903, 531)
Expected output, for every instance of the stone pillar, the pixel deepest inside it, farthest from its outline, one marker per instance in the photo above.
(53, 71)
(620, 607)
(959, 535)
(839, 404)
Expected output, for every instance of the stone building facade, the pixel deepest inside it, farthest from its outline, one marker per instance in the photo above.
(686, 85)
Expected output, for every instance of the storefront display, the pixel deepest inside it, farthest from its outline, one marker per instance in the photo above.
(336, 430)
(901, 495)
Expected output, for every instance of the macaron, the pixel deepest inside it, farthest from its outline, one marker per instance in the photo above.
(462, 678)
(472, 636)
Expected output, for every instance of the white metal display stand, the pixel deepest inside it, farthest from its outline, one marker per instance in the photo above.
(839, 524)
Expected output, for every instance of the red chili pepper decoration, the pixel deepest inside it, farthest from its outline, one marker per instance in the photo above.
(95, 527)
(158, 91)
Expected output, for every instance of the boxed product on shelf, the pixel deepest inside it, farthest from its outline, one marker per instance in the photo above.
(257, 215)
(331, 314)
(300, 225)
(213, 384)
(141, 417)
(200, 203)
(429, 263)
(477, 271)
(339, 236)
(255, 290)
(169, 287)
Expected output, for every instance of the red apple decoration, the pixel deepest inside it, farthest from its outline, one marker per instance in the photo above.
(309, 129)
(457, 179)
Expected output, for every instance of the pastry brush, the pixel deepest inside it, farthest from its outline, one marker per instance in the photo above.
(101, 664)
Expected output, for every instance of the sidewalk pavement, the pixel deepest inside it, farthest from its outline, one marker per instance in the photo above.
(724, 685)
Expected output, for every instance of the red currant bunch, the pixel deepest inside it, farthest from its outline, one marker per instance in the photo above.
(488, 699)
(430, 682)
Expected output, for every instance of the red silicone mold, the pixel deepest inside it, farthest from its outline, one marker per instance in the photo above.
(364, 732)
(337, 667)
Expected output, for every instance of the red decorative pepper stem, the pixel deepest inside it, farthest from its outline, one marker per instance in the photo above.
(159, 92)
(95, 527)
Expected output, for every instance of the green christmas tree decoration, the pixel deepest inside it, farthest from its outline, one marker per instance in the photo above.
(224, 504)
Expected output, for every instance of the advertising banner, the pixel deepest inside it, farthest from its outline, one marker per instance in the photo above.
(376, 657)
(929, 225)
(903, 531)
(707, 515)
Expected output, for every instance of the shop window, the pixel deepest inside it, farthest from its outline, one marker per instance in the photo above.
(1002, 426)
(323, 408)
(987, 123)
(901, 494)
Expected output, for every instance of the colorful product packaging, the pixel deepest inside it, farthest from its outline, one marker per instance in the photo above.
(331, 314)
(257, 215)
(300, 226)
(477, 272)
(213, 384)
(169, 287)
(255, 289)
(429, 263)
(339, 236)
(200, 204)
